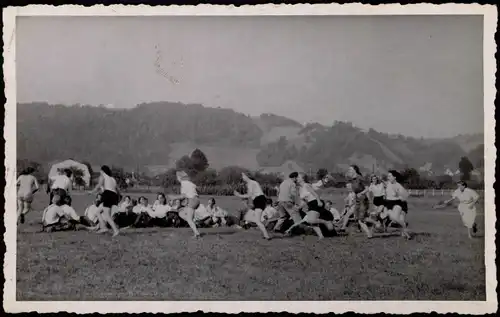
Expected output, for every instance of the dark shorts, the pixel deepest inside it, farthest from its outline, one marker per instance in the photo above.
(378, 201)
(389, 204)
(109, 199)
(323, 213)
(260, 202)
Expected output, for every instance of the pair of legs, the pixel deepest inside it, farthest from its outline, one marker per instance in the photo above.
(397, 215)
(286, 210)
(255, 216)
(187, 214)
(313, 219)
(23, 207)
(104, 216)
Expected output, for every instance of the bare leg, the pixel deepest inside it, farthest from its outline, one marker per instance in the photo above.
(188, 216)
(398, 216)
(317, 230)
(365, 228)
(260, 225)
(20, 206)
(106, 214)
(348, 215)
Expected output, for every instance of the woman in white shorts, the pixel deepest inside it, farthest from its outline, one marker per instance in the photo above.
(189, 193)
(258, 202)
(467, 206)
(27, 187)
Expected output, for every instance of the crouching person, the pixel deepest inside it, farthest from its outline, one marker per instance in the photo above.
(54, 217)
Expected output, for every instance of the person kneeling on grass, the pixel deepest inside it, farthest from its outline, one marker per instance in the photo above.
(270, 215)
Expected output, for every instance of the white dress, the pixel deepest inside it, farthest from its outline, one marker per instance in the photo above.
(466, 208)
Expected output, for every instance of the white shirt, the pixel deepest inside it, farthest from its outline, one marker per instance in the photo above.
(270, 213)
(465, 197)
(27, 184)
(160, 211)
(109, 183)
(124, 205)
(140, 208)
(217, 212)
(91, 213)
(188, 189)
(201, 213)
(317, 185)
(61, 182)
(306, 193)
(69, 212)
(52, 214)
(254, 189)
(377, 190)
(394, 191)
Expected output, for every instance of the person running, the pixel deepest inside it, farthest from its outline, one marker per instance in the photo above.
(61, 184)
(467, 199)
(316, 215)
(110, 197)
(361, 202)
(189, 193)
(27, 187)
(396, 205)
(255, 197)
(286, 201)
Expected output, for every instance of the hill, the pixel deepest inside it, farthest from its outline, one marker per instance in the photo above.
(156, 134)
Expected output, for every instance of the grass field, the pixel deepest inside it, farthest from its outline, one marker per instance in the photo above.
(439, 263)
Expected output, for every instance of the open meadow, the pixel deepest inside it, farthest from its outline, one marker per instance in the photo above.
(439, 263)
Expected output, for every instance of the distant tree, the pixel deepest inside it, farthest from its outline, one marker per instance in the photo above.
(411, 177)
(321, 173)
(231, 175)
(465, 167)
(169, 179)
(199, 161)
(186, 164)
(206, 177)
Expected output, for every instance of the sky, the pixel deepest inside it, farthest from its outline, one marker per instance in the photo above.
(419, 76)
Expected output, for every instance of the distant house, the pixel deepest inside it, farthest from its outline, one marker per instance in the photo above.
(283, 170)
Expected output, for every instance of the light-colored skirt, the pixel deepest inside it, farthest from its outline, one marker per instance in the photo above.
(468, 215)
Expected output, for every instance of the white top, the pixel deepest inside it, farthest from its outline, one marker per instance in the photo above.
(27, 184)
(465, 197)
(70, 213)
(335, 213)
(140, 208)
(52, 214)
(201, 213)
(61, 182)
(160, 211)
(317, 185)
(91, 213)
(188, 189)
(124, 205)
(109, 183)
(306, 193)
(377, 190)
(395, 191)
(287, 190)
(254, 190)
(270, 213)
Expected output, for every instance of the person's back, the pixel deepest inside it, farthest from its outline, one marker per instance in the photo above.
(61, 182)
(109, 183)
(27, 184)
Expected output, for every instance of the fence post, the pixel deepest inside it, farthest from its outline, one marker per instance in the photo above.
(442, 192)
(433, 192)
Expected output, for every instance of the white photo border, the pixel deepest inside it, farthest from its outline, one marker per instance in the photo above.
(11, 305)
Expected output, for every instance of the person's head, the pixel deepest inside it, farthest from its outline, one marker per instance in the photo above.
(181, 176)
(67, 200)
(127, 199)
(143, 201)
(56, 199)
(462, 185)
(353, 172)
(269, 201)
(177, 203)
(293, 176)
(211, 202)
(348, 186)
(393, 176)
(170, 202)
(67, 172)
(328, 204)
(134, 202)
(106, 170)
(302, 178)
(98, 199)
(375, 179)
(162, 199)
(28, 171)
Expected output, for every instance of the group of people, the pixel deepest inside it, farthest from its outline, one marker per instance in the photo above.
(299, 207)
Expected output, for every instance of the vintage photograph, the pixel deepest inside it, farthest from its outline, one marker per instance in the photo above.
(250, 158)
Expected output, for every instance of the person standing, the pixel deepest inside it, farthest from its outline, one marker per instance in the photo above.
(61, 184)
(286, 201)
(27, 187)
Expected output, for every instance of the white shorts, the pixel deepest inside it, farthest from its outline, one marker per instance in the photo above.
(468, 215)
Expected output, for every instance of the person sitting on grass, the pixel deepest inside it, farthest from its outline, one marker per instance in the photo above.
(143, 213)
(219, 215)
(202, 218)
(270, 215)
(125, 206)
(54, 218)
(91, 215)
(159, 212)
(335, 213)
(349, 206)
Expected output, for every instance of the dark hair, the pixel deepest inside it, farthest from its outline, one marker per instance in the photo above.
(67, 200)
(164, 197)
(28, 170)
(356, 169)
(134, 202)
(143, 197)
(396, 175)
(269, 201)
(305, 177)
(106, 170)
(212, 200)
(68, 172)
(329, 202)
(130, 198)
(293, 175)
(462, 183)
